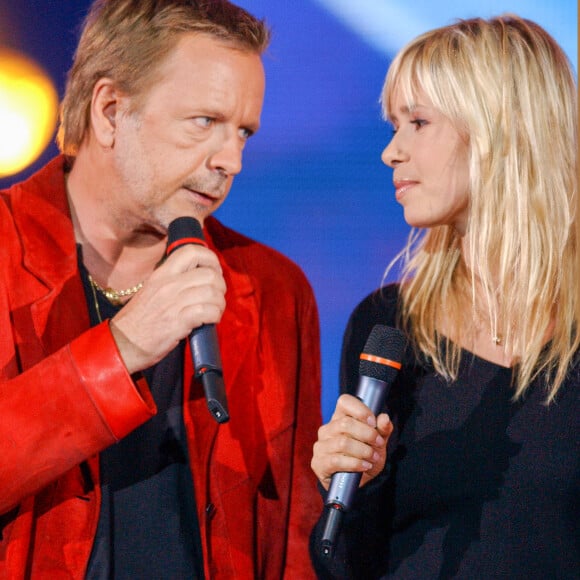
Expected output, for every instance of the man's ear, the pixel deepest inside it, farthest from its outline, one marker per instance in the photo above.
(105, 106)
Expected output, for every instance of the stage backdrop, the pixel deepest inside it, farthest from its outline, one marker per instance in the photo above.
(313, 184)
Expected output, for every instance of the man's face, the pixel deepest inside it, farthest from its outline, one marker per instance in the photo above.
(178, 153)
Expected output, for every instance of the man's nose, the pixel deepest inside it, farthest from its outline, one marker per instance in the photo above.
(227, 157)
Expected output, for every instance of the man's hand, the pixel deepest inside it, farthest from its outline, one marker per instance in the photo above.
(186, 291)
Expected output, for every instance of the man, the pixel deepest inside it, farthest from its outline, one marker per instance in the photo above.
(111, 464)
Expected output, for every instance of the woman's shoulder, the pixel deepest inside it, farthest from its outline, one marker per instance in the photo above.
(379, 307)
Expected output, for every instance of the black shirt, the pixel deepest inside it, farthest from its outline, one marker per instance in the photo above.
(476, 485)
(148, 526)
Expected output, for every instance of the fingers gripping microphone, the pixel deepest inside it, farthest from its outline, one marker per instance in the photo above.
(207, 362)
(379, 364)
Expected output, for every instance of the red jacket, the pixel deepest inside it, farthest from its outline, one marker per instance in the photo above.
(65, 395)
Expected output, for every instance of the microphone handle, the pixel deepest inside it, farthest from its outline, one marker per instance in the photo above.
(343, 486)
(205, 348)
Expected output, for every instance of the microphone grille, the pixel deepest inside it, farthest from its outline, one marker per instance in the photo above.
(184, 227)
(382, 354)
(184, 230)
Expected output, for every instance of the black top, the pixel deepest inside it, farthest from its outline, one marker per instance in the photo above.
(148, 526)
(476, 485)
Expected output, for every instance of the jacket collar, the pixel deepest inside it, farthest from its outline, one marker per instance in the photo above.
(42, 216)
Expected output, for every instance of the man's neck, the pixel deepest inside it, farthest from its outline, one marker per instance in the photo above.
(117, 254)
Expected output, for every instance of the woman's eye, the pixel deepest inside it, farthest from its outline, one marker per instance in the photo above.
(418, 123)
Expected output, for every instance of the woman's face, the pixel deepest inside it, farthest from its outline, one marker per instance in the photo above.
(430, 165)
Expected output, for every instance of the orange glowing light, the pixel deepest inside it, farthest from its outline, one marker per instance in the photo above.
(28, 111)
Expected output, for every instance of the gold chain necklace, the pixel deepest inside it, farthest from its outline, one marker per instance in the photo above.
(95, 299)
(115, 297)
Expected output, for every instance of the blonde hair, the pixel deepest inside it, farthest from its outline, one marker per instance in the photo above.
(126, 40)
(509, 88)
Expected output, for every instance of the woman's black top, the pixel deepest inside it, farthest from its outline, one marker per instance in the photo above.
(476, 486)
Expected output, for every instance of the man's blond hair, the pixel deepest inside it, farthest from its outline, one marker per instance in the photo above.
(126, 40)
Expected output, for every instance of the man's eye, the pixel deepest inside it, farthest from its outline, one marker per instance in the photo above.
(245, 134)
(203, 122)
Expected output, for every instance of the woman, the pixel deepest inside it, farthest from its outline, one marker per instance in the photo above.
(475, 471)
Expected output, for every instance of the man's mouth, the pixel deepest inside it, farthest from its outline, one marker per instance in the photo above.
(202, 196)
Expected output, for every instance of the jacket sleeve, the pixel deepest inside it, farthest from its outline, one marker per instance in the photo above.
(68, 407)
(57, 407)
(305, 502)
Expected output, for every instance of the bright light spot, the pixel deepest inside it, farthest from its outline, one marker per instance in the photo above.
(387, 25)
(28, 112)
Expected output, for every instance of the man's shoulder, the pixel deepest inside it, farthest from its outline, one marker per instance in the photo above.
(46, 187)
(257, 258)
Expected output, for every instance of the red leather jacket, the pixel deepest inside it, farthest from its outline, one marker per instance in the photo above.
(65, 395)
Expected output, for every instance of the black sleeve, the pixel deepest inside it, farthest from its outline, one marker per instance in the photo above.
(361, 548)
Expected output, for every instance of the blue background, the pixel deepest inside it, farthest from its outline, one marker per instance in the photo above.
(313, 184)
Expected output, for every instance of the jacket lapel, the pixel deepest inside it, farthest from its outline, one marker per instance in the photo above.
(239, 327)
(54, 293)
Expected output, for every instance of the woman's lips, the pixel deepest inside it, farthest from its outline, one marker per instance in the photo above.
(402, 187)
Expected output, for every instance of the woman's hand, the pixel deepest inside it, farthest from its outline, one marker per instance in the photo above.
(353, 440)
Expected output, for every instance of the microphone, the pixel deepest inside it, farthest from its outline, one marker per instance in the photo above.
(207, 362)
(379, 363)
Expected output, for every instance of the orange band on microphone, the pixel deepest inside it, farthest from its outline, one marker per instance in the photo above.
(380, 360)
(182, 241)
